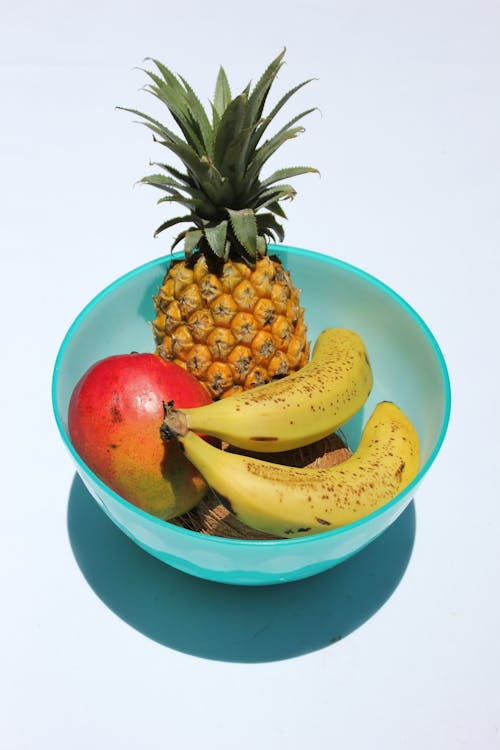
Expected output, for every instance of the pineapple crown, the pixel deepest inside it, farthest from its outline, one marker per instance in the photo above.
(231, 211)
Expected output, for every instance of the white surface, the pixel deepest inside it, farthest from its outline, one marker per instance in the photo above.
(101, 645)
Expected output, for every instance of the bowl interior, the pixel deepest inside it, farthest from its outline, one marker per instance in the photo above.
(407, 363)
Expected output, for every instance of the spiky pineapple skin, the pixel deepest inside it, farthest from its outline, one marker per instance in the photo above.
(233, 329)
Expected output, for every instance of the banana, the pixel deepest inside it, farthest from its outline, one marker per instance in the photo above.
(291, 502)
(297, 410)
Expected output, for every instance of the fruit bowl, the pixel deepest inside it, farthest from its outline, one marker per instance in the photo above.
(408, 368)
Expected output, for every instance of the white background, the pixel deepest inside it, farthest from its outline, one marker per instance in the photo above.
(102, 646)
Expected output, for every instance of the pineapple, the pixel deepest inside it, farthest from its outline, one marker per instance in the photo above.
(227, 311)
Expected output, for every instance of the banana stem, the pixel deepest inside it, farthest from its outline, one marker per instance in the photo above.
(174, 425)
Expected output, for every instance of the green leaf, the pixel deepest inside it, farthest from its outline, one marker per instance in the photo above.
(154, 125)
(177, 198)
(261, 245)
(162, 182)
(169, 77)
(275, 194)
(158, 82)
(184, 120)
(214, 184)
(268, 119)
(267, 224)
(179, 238)
(296, 119)
(276, 137)
(276, 208)
(201, 206)
(215, 119)
(222, 95)
(259, 94)
(170, 90)
(181, 200)
(190, 186)
(200, 117)
(267, 150)
(244, 226)
(235, 158)
(184, 106)
(167, 87)
(195, 199)
(216, 238)
(191, 239)
(200, 168)
(285, 174)
(231, 124)
(178, 220)
(175, 173)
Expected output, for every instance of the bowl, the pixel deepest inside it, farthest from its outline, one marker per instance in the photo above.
(408, 368)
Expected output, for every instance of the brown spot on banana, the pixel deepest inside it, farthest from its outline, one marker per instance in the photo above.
(288, 501)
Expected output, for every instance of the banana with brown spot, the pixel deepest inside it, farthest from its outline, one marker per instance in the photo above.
(290, 502)
(297, 410)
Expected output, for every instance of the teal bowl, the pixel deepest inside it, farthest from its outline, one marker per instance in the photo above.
(408, 367)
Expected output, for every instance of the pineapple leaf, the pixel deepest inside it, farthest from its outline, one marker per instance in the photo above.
(169, 77)
(216, 238)
(191, 239)
(154, 125)
(285, 174)
(177, 198)
(259, 94)
(267, 224)
(170, 89)
(200, 206)
(261, 245)
(215, 118)
(178, 220)
(200, 117)
(278, 193)
(184, 106)
(190, 203)
(196, 198)
(276, 208)
(201, 169)
(268, 119)
(179, 238)
(157, 80)
(167, 85)
(286, 128)
(222, 96)
(231, 124)
(296, 119)
(235, 160)
(244, 226)
(175, 173)
(162, 182)
(183, 118)
(267, 150)
(230, 208)
(208, 209)
(214, 184)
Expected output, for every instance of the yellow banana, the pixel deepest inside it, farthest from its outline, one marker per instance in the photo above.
(290, 502)
(297, 410)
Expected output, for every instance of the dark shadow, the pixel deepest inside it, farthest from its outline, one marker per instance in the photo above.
(233, 623)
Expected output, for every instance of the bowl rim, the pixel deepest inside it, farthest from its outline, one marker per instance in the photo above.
(258, 543)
